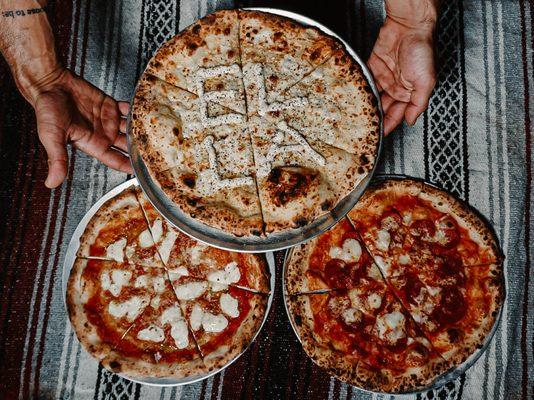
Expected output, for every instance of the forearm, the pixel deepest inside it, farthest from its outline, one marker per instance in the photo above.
(27, 43)
(413, 13)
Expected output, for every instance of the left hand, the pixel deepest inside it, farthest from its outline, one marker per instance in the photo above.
(402, 63)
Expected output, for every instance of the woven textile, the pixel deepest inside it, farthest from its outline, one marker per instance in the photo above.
(475, 139)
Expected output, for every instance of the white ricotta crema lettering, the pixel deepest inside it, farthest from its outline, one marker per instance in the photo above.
(216, 96)
(210, 180)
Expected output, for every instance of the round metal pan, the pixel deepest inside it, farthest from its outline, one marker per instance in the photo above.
(70, 258)
(452, 373)
(253, 244)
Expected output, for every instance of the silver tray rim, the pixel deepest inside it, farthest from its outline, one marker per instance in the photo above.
(272, 242)
(453, 372)
(70, 258)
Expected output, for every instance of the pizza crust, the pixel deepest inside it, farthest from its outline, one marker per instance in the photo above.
(78, 292)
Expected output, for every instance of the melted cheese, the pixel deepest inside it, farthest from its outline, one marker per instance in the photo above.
(180, 334)
(196, 253)
(351, 315)
(130, 308)
(191, 290)
(351, 251)
(129, 251)
(229, 275)
(159, 284)
(179, 331)
(141, 281)
(229, 305)
(382, 240)
(407, 219)
(214, 323)
(391, 326)
(374, 300)
(157, 230)
(176, 273)
(154, 303)
(151, 333)
(166, 245)
(195, 319)
(384, 265)
(115, 251)
(217, 287)
(404, 259)
(145, 239)
(116, 281)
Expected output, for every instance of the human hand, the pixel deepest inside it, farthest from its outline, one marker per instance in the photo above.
(402, 60)
(71, 110)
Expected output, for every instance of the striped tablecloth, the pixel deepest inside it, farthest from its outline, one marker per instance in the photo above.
(475, 139)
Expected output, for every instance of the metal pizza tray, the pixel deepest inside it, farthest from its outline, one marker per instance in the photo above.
(253, 244)
(452, 373)
(70, 258)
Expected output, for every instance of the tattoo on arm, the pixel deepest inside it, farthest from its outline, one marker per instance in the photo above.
(22, 12)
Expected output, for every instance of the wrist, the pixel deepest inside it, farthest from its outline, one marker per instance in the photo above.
(414, 14)
(31, 82)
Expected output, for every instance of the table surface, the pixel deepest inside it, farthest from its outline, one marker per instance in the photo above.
(475, 139)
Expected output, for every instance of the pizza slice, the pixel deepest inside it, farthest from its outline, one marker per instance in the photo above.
(401, 358)
(105, 298)
(168, 121)
(336, 259)
(456, 315)
(341, 110)
(223, 320)
(299, 180)
(204, 59)
(119, 232)
(159, 343)
(275, 54)
(185, 257)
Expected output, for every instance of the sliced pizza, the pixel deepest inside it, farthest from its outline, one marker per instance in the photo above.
(159, 343)
(334, 260)
(105, 298)
(219, 189)
(167, 123)
(204, 59)
(275, 54)
(406, 222)
(118, 231)
(365, 337)
(224, 319)
(456, 311)
(298, 180)
(341, 110)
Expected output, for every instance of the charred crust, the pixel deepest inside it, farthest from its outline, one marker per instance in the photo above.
(301, 221)
(115, 366)
(196, 29)
(189, 180)
(288, 184)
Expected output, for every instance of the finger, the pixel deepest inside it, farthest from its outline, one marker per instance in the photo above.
(57, 157)
(386, 79)
(124, 107)
(419, 101)
(106, 155)
(394, 116)
(121, 143)
(122, 126)
(387, 101)
(109, 118)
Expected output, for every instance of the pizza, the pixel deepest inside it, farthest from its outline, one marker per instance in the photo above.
(254, 124)
(404, 289)
(135, 282)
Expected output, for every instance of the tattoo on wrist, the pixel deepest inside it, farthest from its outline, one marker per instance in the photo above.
(22, 12)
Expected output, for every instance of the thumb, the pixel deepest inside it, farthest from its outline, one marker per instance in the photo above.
(52, 139)
(57, 162)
